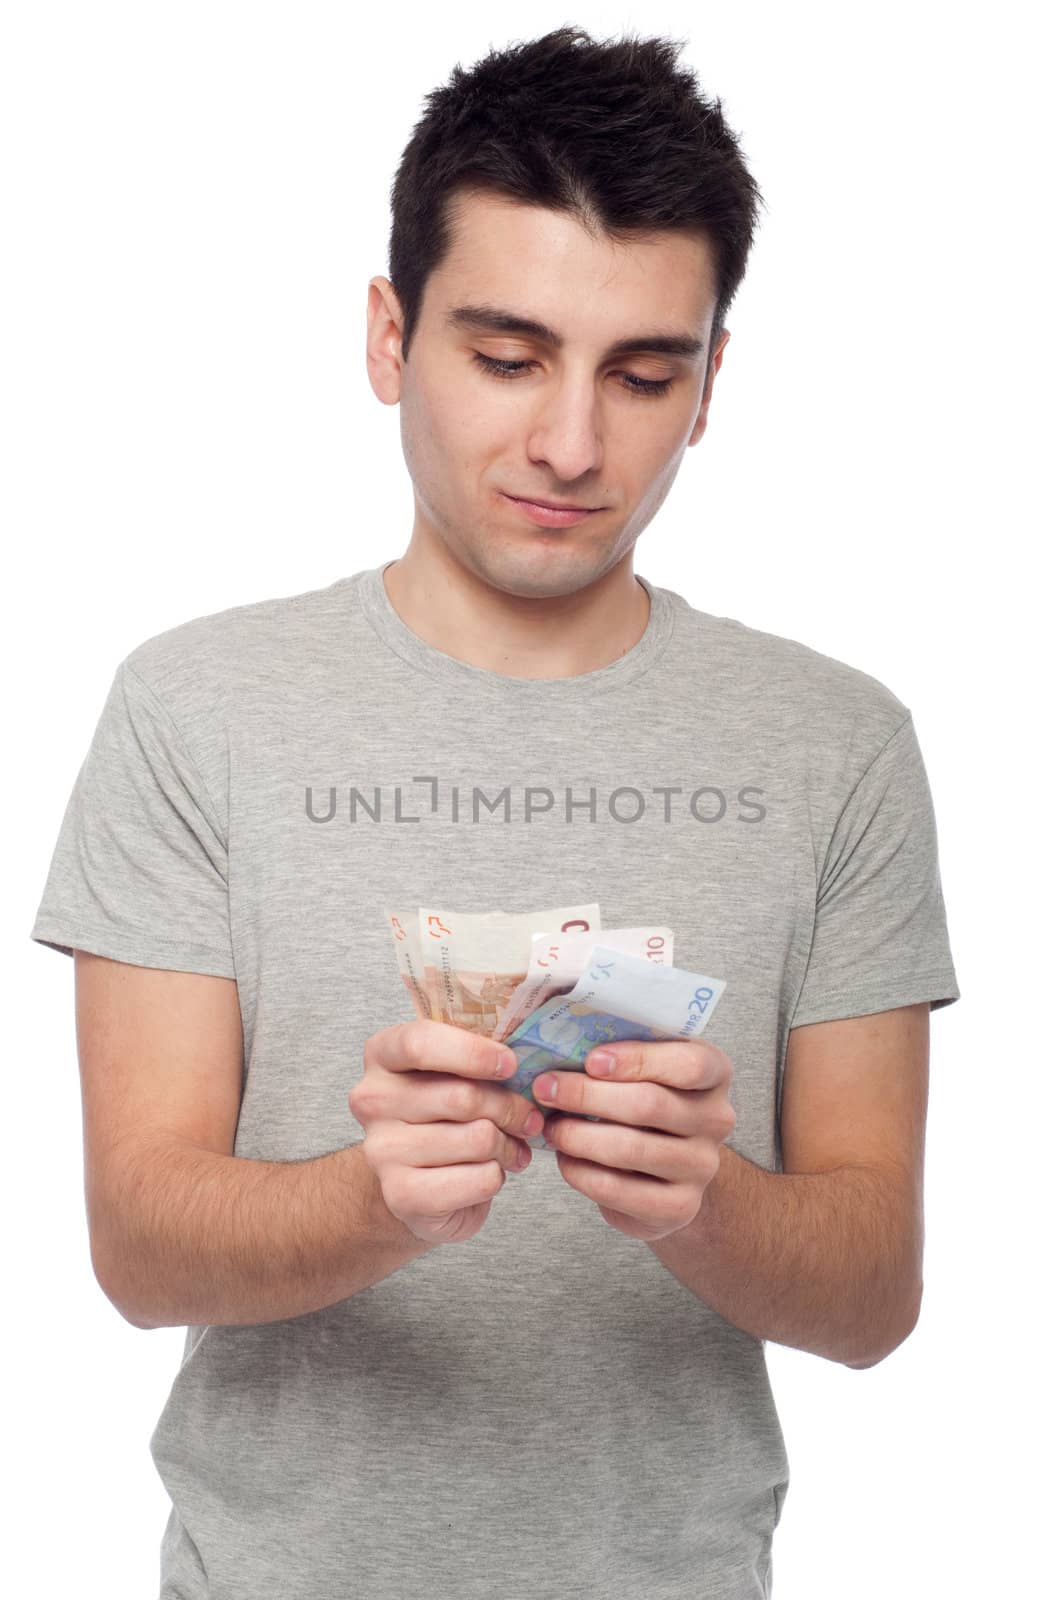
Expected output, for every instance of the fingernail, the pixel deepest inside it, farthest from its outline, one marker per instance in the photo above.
(603, 1063)
(534, 1123)
(547, 1088)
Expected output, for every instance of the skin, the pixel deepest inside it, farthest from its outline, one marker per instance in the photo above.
(478, 580)
(669, 1110)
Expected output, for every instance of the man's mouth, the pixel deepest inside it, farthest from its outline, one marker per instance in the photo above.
(550, 516)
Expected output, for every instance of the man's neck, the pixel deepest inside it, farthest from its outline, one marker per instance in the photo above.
(558, 636)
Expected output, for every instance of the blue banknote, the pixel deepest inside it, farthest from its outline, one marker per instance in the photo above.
(617, 996)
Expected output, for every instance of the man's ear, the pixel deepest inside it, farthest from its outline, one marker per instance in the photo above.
(383, 341)
(701, 421)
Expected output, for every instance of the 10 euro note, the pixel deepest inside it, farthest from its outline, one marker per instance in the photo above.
(557, 960)
(618, 996)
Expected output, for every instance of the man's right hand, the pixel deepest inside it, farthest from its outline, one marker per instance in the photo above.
(441, 1131)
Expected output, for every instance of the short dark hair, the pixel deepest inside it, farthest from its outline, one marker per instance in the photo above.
(612, 132)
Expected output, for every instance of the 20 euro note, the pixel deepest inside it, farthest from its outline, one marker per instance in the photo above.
(617, 996)
(462, 967)
(557, 960)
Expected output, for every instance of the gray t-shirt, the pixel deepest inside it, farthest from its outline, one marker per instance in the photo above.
(543, 1409)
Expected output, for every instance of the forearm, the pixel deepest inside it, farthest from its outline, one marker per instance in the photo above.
(207, 1238)
(810, 1260)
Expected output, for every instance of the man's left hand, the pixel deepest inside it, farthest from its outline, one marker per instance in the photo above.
(667, 1108)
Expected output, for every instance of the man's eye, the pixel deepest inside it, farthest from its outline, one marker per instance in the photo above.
(633, 383)
(503, 369)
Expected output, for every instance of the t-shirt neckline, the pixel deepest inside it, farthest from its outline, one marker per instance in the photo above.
(418, 653)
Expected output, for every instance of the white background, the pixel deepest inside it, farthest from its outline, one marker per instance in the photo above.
(194, 200)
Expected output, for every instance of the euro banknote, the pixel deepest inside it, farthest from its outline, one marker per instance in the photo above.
(557, 960)
(618, 996)
(463, 967)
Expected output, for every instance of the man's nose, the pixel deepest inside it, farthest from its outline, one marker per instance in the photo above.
(567, 431)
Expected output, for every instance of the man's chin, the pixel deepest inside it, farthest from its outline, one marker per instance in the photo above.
(541, 573)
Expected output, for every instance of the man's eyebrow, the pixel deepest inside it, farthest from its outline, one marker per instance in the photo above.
(495, 319)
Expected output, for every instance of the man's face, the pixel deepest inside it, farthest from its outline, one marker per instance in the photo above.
(574, 424)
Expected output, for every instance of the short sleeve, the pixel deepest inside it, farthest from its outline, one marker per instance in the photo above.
(881, 937)
(139, 870)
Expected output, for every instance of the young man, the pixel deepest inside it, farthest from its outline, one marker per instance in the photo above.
(386, 1391)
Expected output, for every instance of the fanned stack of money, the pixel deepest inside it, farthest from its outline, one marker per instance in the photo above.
(463, 968)
(550, 984)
